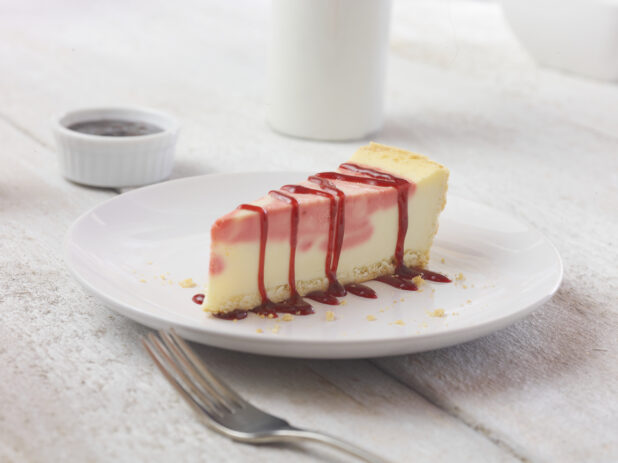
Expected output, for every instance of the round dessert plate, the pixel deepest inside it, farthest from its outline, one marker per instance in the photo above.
(133, 251)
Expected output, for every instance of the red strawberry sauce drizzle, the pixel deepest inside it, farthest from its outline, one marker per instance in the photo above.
(295, 304)
(335, 239)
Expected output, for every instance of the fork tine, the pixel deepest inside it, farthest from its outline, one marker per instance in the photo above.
(182, 379)
(197, 406)
(205, 373)
(222, 401)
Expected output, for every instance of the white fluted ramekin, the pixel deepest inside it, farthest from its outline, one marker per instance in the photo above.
(105, 161)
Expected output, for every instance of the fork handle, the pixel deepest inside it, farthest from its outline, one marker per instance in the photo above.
(293, 434)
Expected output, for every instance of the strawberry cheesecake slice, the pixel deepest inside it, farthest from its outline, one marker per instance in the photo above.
(374, 217)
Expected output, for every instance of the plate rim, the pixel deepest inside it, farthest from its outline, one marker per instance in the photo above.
(204, 335)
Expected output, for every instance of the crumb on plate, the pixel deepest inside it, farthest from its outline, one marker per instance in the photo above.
(187, 283)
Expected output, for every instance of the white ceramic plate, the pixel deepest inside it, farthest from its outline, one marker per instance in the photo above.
(120, 250)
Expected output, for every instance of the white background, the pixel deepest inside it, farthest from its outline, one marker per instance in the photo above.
(75, 384)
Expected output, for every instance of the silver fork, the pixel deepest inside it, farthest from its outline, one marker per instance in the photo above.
(222, 408)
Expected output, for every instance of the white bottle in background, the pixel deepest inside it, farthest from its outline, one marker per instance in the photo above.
(328, 67)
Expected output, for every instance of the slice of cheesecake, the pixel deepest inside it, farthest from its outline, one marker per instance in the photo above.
(374, 216)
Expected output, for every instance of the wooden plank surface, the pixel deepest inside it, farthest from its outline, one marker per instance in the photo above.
(543, 146)
(77, 380)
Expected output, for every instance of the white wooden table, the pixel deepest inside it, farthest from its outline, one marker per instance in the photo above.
(75, 385)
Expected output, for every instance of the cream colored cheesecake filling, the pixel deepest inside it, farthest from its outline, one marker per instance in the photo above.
(371, 227)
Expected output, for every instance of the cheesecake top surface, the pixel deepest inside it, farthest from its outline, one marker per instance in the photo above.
(361, 198)
(411, 166)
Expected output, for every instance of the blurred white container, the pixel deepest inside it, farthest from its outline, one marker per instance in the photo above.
(579, 36)
(328, 67)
